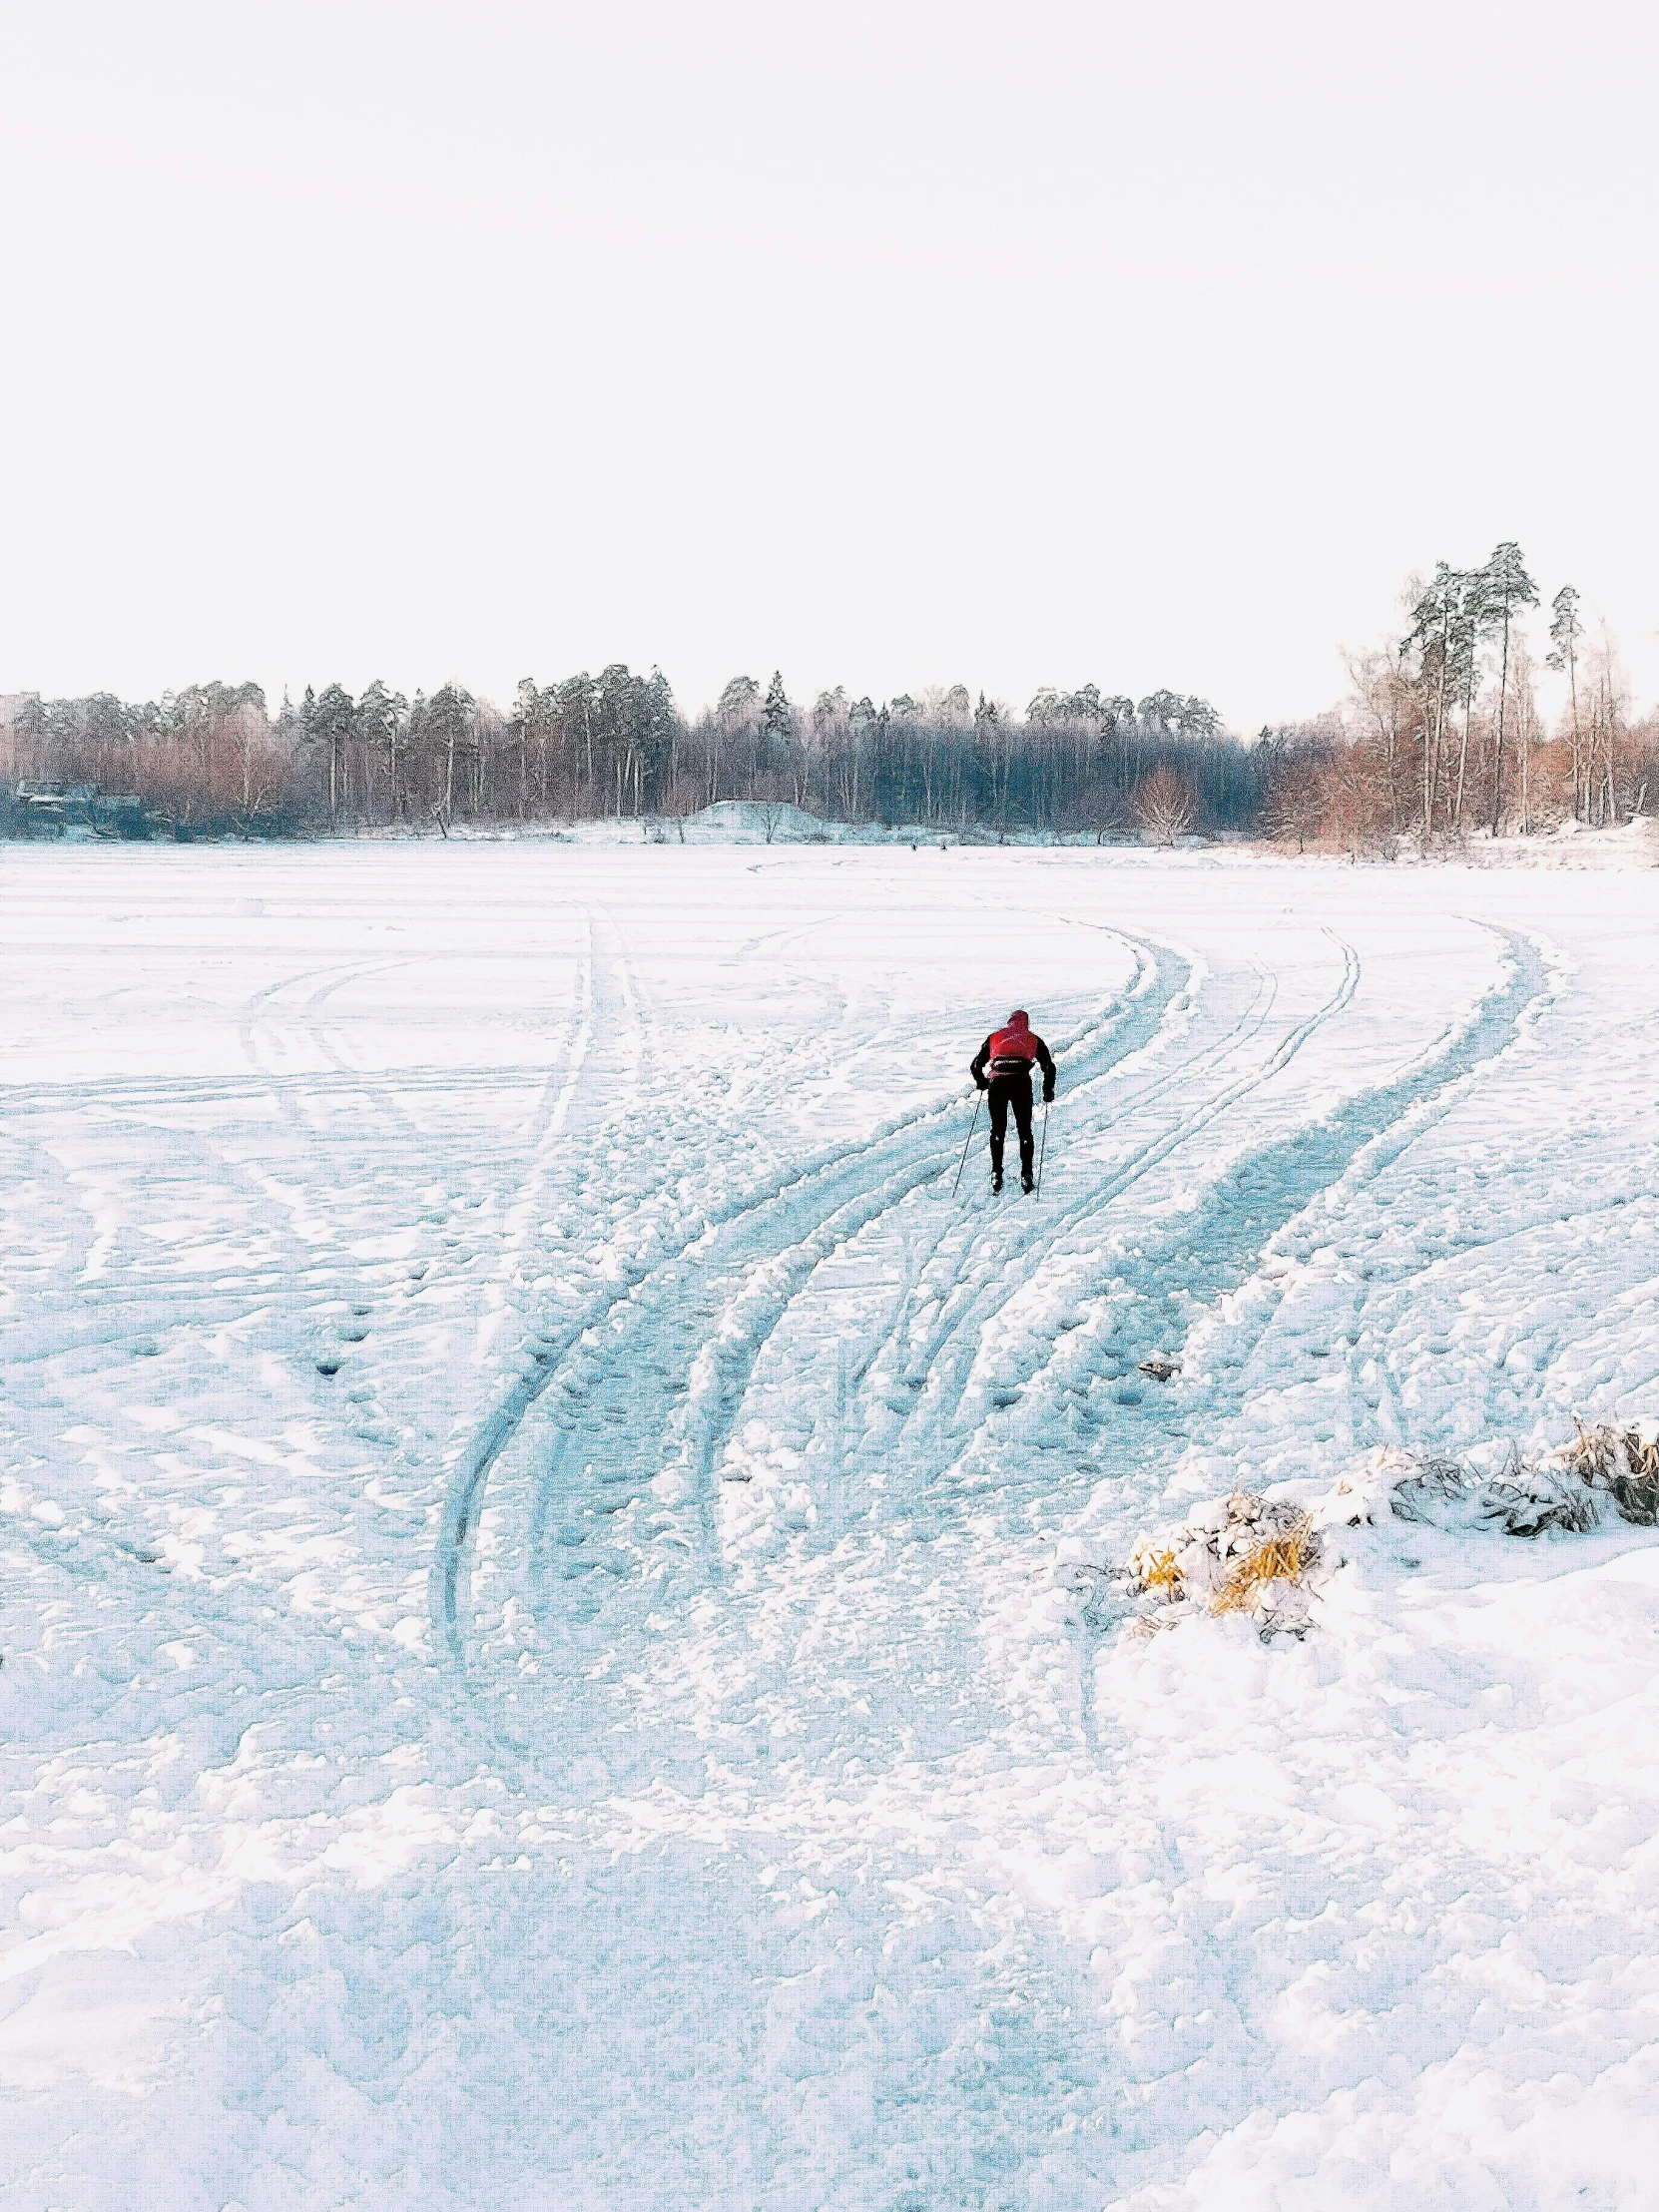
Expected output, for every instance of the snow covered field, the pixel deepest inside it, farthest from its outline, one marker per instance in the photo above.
(545, 1563)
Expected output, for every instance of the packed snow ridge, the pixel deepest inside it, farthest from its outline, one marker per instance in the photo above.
(564, 1626)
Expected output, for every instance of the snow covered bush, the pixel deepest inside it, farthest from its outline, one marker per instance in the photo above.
(1523, 1499)
(1436, 1493)
(1624, 1461)
(1260, 1556)
(1267, 1556)
(1526, 1500)
(1564, 1490)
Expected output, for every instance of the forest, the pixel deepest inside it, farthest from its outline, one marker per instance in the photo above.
(1440, 737)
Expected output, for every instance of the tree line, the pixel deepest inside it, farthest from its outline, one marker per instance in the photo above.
(1442, 734)
(214, 757)
(1440, 737)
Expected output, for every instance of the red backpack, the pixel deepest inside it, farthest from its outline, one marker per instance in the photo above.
(1013, 1049)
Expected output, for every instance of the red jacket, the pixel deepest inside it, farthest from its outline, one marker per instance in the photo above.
(1011, 1052)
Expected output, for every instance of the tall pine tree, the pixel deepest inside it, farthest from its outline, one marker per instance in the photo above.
(1565, 630)
(1507, 589)
(776, 725)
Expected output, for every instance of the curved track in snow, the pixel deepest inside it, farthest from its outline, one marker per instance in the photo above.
(616, 1378)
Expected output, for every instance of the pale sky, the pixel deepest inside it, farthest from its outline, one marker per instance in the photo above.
(926, 342)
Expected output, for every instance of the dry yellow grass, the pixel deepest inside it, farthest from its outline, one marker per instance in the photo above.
(1280, 1558)
(1160, 1572)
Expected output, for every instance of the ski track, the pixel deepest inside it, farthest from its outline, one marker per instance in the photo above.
(969, 1303)
(1254, 1200)
(931, 1455)
(761, 1230)
(963, 1242)
(981, 1305)
(686, 1376)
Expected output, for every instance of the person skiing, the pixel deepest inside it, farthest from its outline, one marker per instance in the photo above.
(1003, 1069)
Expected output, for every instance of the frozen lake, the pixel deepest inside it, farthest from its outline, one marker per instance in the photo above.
(539, 1670)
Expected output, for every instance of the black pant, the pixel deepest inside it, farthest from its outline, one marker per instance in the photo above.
(1015, 1091)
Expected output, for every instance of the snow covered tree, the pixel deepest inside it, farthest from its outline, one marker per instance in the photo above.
(1160, 712)
(1433, 614)
(524, 722)
(329, 720)
(449, 732)
(1196, 717)
(1384, 693)
(778, 727)
(739, 708)
(380, 719)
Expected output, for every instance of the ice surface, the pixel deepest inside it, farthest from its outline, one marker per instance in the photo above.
(552, 1654)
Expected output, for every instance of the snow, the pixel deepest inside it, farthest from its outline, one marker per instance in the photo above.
(752, 821)
(549, 1575)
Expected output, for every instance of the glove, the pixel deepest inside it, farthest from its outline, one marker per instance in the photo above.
(1048, 1094)
(980, 1083)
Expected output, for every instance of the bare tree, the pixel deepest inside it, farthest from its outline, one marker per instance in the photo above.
(1524, 705)
(1165, 806)
(1609, 711)
(1384, 694)
(1293, 805)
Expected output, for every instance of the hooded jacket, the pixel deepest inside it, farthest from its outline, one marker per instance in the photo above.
(1010, 1051)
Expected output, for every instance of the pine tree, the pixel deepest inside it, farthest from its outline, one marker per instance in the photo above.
(1471, 625)
(777, 725)
(1432, 620)
(525, 717)
(382, 715)
(739, 705)
(1161, 711)
(1565, 630)
(1506, 590)
(449, 722)
(329, 718)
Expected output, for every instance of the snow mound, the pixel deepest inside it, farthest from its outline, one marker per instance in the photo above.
(754, 821)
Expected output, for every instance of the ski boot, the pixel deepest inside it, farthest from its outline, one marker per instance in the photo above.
(996, 1179)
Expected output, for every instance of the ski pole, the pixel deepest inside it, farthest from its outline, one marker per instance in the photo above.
(1042, 1154)
(966, 1141)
